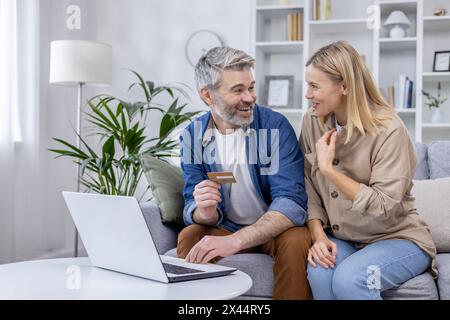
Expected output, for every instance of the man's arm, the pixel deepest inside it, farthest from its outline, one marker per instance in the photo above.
(201, 196)
(270, 225)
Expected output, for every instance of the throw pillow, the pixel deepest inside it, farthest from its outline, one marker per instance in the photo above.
(433, 205)
(422, 171)
(438, 155)
(166, 182)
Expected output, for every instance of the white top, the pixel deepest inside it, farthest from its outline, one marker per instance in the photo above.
(246, 206)
(339, 128)
(78, 279)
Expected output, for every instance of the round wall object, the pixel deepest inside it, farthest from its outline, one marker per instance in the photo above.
(199, 43)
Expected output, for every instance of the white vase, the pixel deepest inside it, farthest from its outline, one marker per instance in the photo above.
(436, 116)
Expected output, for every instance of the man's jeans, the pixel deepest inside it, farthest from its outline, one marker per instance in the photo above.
(365, 273)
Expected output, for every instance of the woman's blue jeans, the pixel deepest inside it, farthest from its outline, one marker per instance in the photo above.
(362, 274)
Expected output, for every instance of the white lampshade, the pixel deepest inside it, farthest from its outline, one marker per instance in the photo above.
(80, 61)
(397, 17)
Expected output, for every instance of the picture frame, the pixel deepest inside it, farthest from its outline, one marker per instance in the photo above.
(279, 91)
(441, 61)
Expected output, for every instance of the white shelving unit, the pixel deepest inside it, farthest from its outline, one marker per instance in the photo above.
(387, 58)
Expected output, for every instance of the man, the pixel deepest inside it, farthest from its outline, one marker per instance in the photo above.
(265, 210)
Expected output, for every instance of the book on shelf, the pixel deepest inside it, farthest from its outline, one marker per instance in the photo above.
(300, 25)
(409, 93)
(321, 9)
(295, 26)
(401, 88)
(290, 28)
(391, 96)
(401, 93)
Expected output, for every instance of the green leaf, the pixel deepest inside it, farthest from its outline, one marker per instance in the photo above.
(84, 165)
(108, 148)
(167, 124)
(150, 86)
(143, 85)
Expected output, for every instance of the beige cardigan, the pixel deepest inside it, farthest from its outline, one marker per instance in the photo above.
(384, 166)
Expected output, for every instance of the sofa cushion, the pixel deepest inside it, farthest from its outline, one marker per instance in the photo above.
(439, 159)
(422, 171)
(422, 287)
(164, 235)
(258, 266)
(433, 203)
(443, 265)
(166, 182)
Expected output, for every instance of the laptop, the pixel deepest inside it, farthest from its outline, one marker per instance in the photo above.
(116, 237)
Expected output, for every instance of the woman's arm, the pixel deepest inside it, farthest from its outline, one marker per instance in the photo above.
(391, 173)
(326, 149)
(323, 250)
(316, 229)
(315, 208)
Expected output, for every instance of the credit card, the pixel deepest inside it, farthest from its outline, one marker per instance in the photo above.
(222, 177)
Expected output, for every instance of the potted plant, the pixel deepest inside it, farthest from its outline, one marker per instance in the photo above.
(434, 103)
(116, 169)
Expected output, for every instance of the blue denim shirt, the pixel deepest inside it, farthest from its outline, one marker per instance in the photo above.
(275, 165)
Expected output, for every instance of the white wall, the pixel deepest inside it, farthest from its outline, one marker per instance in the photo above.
(42, 225)
(147, 36)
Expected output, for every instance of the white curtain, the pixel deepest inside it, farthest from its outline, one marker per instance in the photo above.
(24, 208)
(8, 105)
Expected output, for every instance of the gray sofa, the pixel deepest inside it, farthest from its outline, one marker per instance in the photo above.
(433, 163)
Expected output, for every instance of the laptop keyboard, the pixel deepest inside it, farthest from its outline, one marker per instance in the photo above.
(171, 268)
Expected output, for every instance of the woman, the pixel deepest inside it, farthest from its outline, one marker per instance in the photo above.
(359, 167)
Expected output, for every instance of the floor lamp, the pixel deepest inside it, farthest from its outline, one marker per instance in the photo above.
(80, 63)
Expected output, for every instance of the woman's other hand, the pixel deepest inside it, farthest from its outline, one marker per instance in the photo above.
(323, 252)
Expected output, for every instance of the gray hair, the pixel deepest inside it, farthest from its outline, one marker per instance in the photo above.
(209, 69)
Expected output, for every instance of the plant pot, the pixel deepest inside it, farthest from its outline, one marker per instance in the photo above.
(436, 116)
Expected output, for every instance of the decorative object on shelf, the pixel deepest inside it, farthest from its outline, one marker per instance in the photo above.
(80, 63)
(199, 43)
(434, 103)
(441, 61)
(440, 12)
(279, 91)
(397, 19)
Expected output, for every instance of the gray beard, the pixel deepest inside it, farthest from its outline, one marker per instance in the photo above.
(231, 118)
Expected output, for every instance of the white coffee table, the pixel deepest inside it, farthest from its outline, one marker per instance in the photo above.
(78, 279)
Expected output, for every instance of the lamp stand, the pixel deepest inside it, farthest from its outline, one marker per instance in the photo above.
(80, 90)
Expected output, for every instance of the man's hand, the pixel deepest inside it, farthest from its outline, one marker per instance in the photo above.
(326, 149)
(211, 246)
(207, 196)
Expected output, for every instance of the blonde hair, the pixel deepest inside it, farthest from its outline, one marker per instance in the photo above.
(343, 64)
